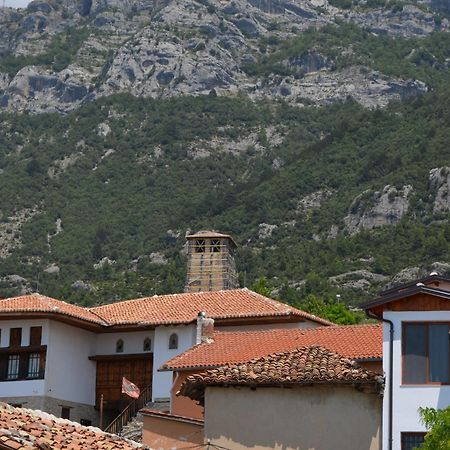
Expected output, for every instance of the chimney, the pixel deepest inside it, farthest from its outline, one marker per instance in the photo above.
(205, 329)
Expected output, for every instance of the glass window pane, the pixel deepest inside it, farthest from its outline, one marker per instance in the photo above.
(33, 365)
(438, 347)
(411, 441)
(415, 354)
(13, 367)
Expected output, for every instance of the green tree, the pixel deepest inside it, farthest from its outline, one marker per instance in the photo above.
(262, 287)
(437, 422)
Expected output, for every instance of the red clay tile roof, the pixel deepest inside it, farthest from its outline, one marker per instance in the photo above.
(184, 308)
(24, 429)
(351, 341)
(305, 365)
(36, 303)
(164, 309)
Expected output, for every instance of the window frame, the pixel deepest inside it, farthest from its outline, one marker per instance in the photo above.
(120, 345)
(13, 376)
(216, 245)
(15, 337)
(173, 345)
(147, 341)
(410, 433)
(200, 246)
(34, 361)
(34, 353)
(403, 344)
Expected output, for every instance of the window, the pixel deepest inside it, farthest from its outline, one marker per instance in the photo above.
(34, 362)
(426, 353)
(411, 441)
(35, 336)
(15, 337)
(65, 412)
(200, 246)
(215, 245)
(173, 342)
(23, 362)
(119, 346)
(13, 367)
(147, 345)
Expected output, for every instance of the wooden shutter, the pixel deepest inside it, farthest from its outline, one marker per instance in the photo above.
(15, 337)
(35, 336)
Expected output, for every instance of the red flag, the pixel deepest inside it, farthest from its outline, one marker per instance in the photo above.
(130, 388)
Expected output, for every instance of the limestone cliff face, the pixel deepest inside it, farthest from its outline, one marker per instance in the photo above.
(376, 209)
(164, 48)
(440, 186)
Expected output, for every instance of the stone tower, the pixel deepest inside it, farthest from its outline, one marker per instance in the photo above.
(211, 264)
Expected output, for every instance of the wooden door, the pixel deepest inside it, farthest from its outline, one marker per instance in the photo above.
(109, 378)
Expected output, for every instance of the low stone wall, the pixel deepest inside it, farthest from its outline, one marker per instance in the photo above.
(78, 411)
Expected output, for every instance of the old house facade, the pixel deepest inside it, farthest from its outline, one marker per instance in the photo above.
(307, 398)
(416, 356)
(61, 358)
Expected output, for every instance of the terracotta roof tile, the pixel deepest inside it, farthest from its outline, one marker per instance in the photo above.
(36, 303)
(351, 341)
(163, 309)
(26, 428)
(184, 308)
(305, 365)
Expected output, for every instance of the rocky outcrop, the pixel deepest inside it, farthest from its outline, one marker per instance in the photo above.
(376, 209)
(17, 282)
(357, 279)
(171, 48)
(313, 200)
(370, 88)
(265, 230)
(413, 273)
(406, 20)
(40, 90)
(10, 230)
(440, 186)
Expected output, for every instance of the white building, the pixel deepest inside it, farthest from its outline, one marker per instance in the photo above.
(61, 358)
(416, 356)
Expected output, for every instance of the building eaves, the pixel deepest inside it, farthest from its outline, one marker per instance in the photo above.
(399, 295)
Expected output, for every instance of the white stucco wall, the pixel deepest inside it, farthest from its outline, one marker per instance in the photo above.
(162, 381)
(408, 399)
(22, 388)
(321, 417)
(133, 342)
(69, 374)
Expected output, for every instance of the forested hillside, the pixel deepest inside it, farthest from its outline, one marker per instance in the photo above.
(332, 172)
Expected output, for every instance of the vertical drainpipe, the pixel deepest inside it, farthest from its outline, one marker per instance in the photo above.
(391, 374)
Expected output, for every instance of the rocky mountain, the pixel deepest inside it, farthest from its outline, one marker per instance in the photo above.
(314, 131)
(60, 54)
